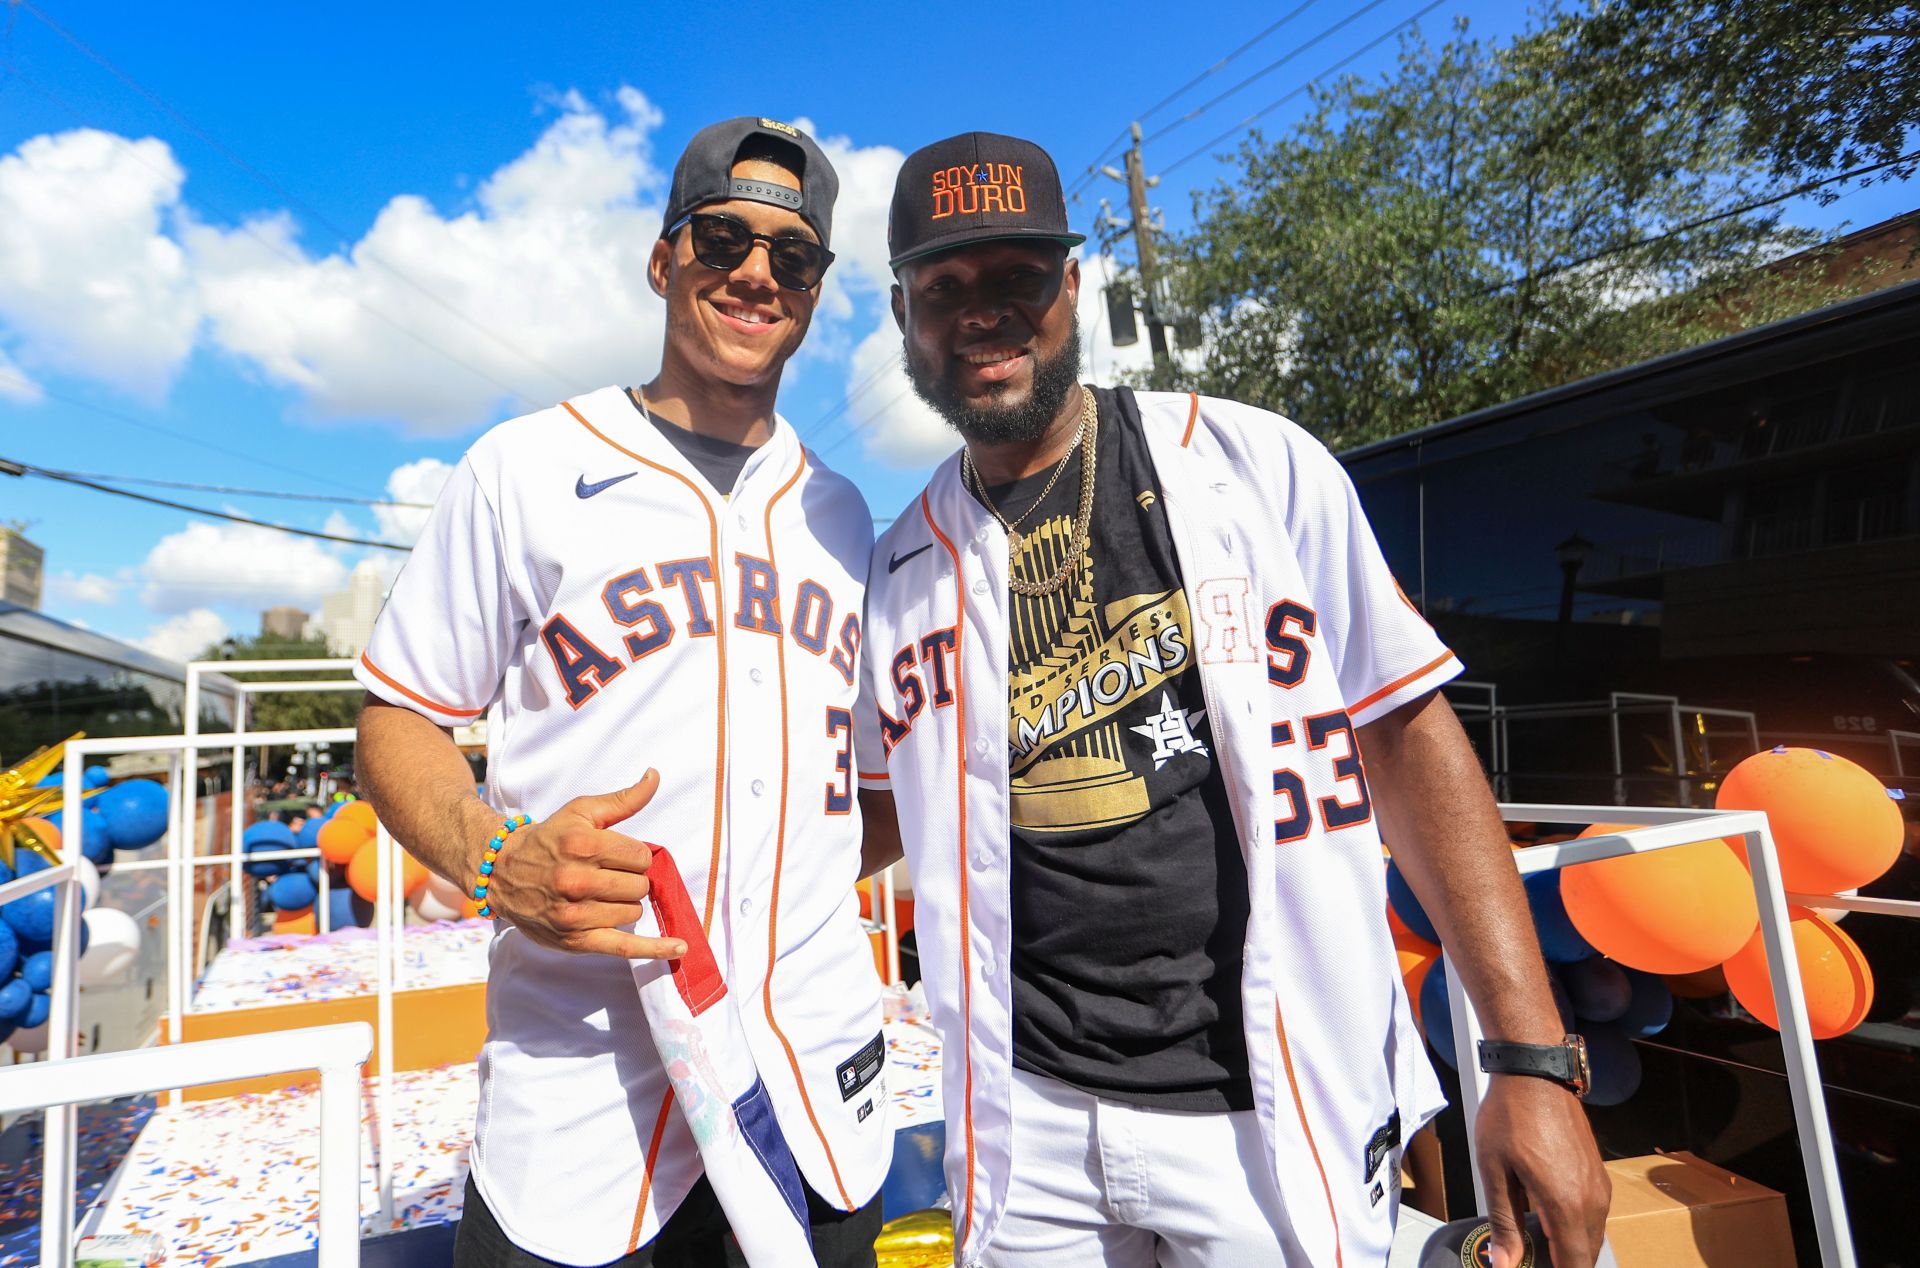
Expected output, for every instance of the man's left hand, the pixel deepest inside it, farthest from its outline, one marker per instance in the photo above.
(1536, 1149)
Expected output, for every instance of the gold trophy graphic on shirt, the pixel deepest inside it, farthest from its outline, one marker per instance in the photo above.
(1074, 666)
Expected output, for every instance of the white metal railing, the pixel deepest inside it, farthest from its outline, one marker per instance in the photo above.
(337, 1052)
(1663, 829)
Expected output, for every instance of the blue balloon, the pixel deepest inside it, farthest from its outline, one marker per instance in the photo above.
(9, 951)
(1615, 1064)
(293, 892)
(346, 909)
(26, 862)
(1598, 988)
(136, 813)
(37, 971)
(39, 1006)
(31, 918)
(6, 1031)
(95, 777)
(309, 835)
(264, 836)
(1651, 1008)
(15, 995)
(52, 780)
(1560, 942)
(1436, 1013)
(1406, 906)
(6, 874)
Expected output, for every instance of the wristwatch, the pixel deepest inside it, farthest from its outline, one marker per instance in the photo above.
(1565, 1062)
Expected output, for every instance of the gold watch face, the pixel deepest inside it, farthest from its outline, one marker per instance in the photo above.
(1582, 1072)
(1476, 1249)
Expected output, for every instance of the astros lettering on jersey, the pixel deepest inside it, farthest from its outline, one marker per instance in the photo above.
(1301, 637)
(582, 585)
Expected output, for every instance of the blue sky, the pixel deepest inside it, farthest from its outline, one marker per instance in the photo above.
(319, 249)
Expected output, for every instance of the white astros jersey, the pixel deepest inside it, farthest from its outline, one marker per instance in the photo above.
(582, 585)
(1301, 636)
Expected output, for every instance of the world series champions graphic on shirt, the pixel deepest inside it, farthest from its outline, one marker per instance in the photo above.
(1093, 709)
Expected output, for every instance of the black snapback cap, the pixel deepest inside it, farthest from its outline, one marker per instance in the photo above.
(704, 174)
(975, 187)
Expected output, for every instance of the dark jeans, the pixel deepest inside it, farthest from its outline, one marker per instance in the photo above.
(695, 1236)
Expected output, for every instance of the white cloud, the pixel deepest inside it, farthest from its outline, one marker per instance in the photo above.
(237, 564)
(15, 385)
(537, 292)
(187, 635)
(420, 482)
(89, 588)
(89, 282)
(859, 223)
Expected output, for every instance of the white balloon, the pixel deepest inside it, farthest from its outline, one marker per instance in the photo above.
(447, 892)
(113, 943)
(30, 1040)
(89, 877)
(429, 904)
(1837, 914)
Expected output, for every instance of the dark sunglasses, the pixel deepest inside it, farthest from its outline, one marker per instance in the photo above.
(721, 242)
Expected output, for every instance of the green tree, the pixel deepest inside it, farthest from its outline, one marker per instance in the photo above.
(291, 711)
(1816, 88)
(1469, 229)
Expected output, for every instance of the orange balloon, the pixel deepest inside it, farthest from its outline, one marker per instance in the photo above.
(1833, 974)
(413, 874)
(341, 839)
(1414, 967)
(44, 829)
(1706, 984)
(363, 870)
(1668, 911)
(1833, 823)
(301, 921)
(357, 812)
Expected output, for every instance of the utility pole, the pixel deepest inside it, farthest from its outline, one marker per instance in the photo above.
(1138, 182)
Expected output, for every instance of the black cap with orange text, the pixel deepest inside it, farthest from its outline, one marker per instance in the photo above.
(975, 187)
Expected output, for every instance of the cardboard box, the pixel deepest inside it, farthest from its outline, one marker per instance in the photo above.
(1678, 1211)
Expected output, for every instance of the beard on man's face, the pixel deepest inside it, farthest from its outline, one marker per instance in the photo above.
(994, 423)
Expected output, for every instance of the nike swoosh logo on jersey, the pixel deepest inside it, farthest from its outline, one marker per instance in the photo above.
(894, 561)
(583, 490)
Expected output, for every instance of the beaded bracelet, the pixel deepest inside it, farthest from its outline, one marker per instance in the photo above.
(508, 828)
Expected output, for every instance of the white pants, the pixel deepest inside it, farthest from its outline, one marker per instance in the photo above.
(1100, 1182)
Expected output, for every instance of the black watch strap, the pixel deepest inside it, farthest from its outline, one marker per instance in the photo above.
(1565, 1063)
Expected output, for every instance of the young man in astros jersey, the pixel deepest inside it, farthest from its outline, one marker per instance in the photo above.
(653, 595)
(1127, 651)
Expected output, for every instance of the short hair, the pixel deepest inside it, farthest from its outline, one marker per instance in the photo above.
(758, 147)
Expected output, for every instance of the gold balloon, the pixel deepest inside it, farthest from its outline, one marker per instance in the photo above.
(919, 1239)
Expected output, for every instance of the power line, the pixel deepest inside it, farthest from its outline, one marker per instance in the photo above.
(27, 468)
(1275, 104)
(1268, 69)
(320, 218)
(30, 386)
(869, 420)
(1619, 248)
(1086, 177)
(860, 389)
(252, 493)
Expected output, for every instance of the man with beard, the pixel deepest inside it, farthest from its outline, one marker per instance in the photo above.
(653, 595)
(1125, 654)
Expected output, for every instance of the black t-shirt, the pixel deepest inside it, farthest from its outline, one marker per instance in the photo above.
(1129, 891)
(720, 461)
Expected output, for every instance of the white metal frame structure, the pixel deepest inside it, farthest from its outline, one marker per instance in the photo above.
(58, 1085)
(1661, 829)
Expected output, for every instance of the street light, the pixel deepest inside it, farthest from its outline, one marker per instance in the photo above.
(1572, 554)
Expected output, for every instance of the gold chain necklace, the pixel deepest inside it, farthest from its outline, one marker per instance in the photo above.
(1089, 421)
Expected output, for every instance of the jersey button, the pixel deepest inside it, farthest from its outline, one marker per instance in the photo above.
(980, 587)
(741, 520)
(755, 674)
(746, 906)
(758, 787)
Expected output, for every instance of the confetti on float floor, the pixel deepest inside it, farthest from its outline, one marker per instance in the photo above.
(106, 1131)
(233, 1180)
(297, 968)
